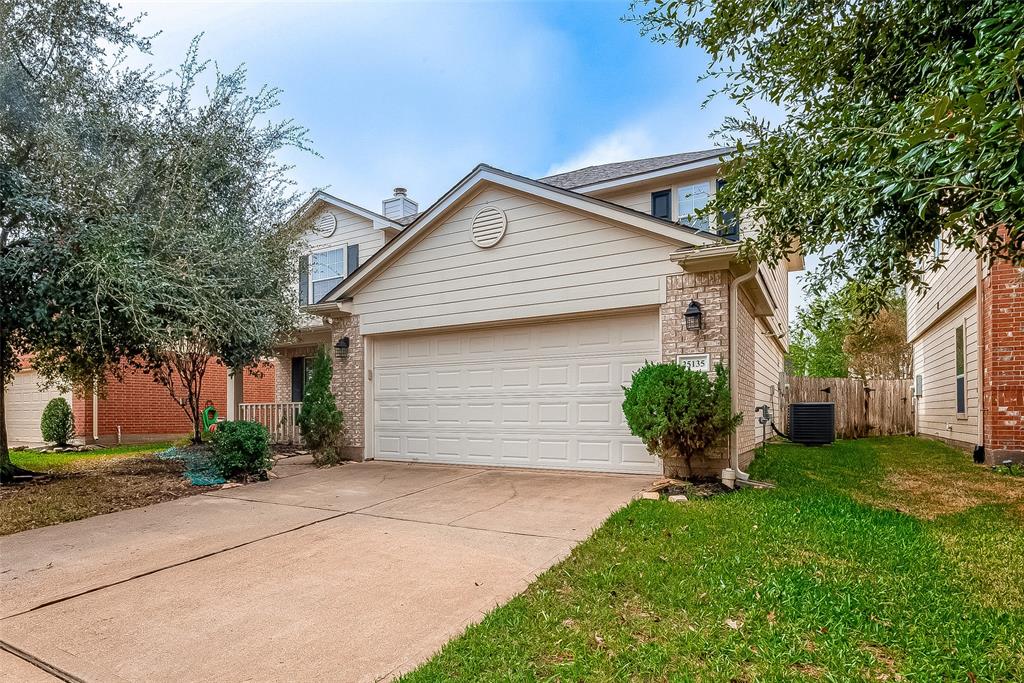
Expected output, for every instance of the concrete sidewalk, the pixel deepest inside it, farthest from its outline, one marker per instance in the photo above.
(353, 573)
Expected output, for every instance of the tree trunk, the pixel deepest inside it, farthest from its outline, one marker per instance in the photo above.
(8, 470)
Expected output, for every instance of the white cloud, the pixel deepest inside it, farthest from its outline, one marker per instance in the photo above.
(630, 142)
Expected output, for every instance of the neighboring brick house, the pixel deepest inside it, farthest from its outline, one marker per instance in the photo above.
(967, 330)
(498, 326)
(135, 408)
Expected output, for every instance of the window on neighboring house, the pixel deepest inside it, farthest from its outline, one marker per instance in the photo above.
(937, 247)
(661, 204)
(961, 379)
(324, 270)
(691, 198)
(302, 370)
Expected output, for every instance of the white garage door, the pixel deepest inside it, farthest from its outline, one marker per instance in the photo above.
(545, 395)
(24, 403)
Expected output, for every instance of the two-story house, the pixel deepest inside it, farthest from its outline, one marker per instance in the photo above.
(967, 330)
(499, 325)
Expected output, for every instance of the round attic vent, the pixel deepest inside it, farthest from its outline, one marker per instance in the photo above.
(489, 227)
(326, 224)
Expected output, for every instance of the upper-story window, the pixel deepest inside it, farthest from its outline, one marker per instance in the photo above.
(937, 247)
(326, 270)
(691, 198)
(661, 204)
(321, 271)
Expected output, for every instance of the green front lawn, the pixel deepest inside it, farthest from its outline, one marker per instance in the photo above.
(52, 462)
(879, 559)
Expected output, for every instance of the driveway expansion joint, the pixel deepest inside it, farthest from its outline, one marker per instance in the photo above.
(39, 663)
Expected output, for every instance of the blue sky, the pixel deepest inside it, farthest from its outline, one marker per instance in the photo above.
(416, 94)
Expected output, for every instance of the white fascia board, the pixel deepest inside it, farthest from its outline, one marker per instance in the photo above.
(649, 175)
(487, 174)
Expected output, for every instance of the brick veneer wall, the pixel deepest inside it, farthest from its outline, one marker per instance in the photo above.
(347, 385)
(711, 290)
(1003, 358)
(144, 409)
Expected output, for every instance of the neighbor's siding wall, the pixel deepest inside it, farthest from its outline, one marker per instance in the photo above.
(935, 361)
(948, 286)
(551, 261)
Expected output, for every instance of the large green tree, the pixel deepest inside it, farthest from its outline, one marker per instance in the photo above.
(900, 122)
(140, 223)
(68, 125)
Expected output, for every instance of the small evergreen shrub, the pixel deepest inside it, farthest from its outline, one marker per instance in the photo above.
(319, 420)
(241, 449)
(678, 412)
(58, 422)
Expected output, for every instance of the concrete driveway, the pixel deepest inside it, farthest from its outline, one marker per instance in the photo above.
(356, 573)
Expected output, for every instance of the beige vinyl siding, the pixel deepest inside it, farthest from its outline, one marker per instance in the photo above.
(947, 286)
(551, 261)
(352, 229)
(935, 361)
(769, 362)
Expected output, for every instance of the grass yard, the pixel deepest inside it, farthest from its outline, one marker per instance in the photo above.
(880, 559)
(81, 485)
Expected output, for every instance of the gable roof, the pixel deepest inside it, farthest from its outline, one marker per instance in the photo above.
(488, 174)
(378, 220)
(625, 169)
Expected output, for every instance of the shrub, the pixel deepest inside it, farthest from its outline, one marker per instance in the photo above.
(319, 420)
(241, 449)
(680, 412)
(58, 422)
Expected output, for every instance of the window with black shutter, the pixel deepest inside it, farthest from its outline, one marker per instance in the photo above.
(304, 280)
(729, 227)
(351, 259)
(661, 204)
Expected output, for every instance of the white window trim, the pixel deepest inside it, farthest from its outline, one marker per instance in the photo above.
(677, 196)
(309, 267)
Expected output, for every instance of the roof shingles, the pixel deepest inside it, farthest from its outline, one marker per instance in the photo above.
(623, 169)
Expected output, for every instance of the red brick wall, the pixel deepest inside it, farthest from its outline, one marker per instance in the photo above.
(1003, 357)
(144, 408)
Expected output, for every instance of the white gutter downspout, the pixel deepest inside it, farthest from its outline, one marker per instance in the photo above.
(95, 411)
(734, 472)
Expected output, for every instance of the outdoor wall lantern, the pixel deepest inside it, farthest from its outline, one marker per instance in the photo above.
(341, 348)
(694, 318)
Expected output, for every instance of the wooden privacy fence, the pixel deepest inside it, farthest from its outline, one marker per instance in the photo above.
(872, 407)
(280, 419)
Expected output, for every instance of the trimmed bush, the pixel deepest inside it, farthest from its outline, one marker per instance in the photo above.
(58, 422)
(678, 412)
(319, 420)
(241, 449)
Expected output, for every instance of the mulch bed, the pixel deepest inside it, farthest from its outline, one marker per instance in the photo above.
(92, 489)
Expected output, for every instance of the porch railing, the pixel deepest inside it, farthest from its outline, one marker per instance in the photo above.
(280, 419)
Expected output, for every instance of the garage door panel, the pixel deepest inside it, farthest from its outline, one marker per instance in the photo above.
(24, 401)
(597, 374)
(547, 395)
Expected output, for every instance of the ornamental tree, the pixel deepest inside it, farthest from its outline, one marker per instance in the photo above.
(216, 232)
(678, 412)
(901, 123)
